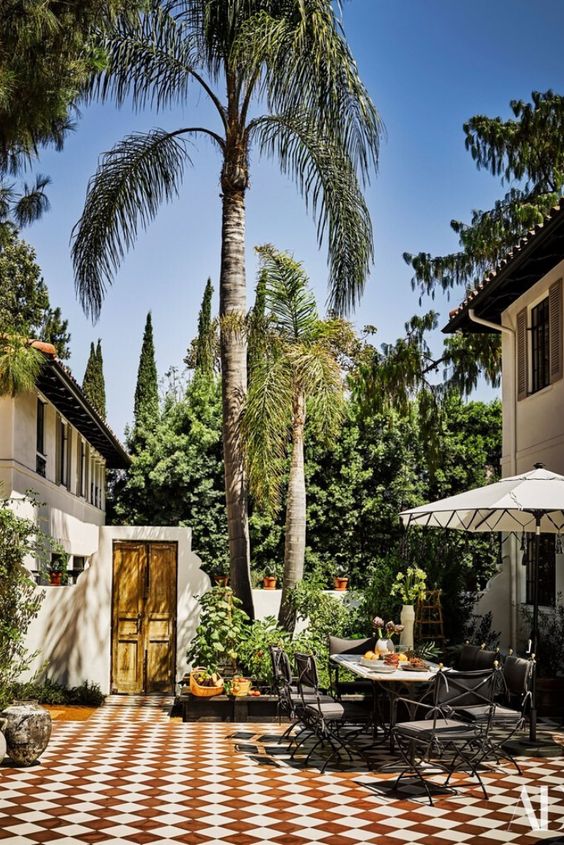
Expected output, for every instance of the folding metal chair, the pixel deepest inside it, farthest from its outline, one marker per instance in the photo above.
(441, 737)
(326, 718)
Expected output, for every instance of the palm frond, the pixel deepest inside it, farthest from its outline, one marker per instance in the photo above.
(152, 58)
(32, 203)
(299, 52)
(131, 182)
(20, 364)
(264, 427)
(316, 371)
(291, 304)
(327, 181)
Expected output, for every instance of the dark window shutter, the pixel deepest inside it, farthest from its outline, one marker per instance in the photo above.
(555, 330)
(67, 480)
(522, 361)
(58, 437)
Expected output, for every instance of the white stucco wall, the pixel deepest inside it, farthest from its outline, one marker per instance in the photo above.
(533, 431)
(73, 629)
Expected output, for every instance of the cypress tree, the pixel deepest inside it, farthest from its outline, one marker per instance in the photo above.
(146, 408)
(93, 382)
(204, 342)
(100, 381)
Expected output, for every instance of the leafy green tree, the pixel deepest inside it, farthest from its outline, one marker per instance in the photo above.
(146, 407)
(93, 381)
(526, 152)
(24, 300)
(290, 58)
(294, 372)
(47, 55)
(176, 476)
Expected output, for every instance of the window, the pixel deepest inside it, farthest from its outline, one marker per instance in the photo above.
(81, 468)
(40, 459)
(547, 570)
(63, 453)
(540, 346)
(540, 342)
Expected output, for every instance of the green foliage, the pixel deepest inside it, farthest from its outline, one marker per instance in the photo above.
(24, 299)
(93, 383)
(410, 585)
(146, 406)
(221, 631)
(254, 656)
(87, 694)
(20, 364)
(203, 352)
(177, 478)
(19, 598)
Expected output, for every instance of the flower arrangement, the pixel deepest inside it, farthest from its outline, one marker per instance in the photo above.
(390, 627)
(411, 585)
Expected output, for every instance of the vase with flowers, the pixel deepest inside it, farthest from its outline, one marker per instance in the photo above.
(410, 586)
(385, 644)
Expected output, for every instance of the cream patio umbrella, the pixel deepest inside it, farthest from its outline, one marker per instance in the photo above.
(532, 502)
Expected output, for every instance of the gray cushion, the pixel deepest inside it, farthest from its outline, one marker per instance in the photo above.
(446, 727)
(481, 713)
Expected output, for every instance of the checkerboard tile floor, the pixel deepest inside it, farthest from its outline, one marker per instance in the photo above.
(130, 774)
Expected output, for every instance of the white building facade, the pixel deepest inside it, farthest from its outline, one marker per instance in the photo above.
(522, 299)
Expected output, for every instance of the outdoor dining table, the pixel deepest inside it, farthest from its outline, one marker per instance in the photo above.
(402, 683)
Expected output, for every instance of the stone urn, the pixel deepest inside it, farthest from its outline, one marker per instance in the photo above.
(2, 740)
(27, 730)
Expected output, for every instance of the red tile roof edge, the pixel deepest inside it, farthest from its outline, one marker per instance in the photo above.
(508, 257)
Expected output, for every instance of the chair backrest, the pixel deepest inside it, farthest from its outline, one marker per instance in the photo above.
(517, 675)
(308, 678)
(475, 657)
(468, 689)
(281, 669)
(339, 645)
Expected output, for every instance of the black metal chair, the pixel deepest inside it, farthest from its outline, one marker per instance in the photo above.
(473, 657)
(289, 699)
(441, 737)
(340, 645)
(327, 718)
(510, 711)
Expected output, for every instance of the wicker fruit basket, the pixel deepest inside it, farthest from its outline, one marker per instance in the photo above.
(204, 690)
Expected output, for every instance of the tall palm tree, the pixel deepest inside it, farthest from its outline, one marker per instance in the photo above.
(294, 368)
(286, 57)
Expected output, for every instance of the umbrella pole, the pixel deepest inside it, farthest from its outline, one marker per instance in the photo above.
(533, 746)
(535, 631)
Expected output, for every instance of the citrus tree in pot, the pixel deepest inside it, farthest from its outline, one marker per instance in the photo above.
(222, 628)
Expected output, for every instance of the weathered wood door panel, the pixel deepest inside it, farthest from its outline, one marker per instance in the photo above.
(144, 617)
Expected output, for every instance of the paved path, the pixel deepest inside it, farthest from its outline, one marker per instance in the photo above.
(130, 774)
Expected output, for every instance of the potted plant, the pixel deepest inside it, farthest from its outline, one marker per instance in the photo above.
(341, 579)
(57, 568)
(220, 571)
(221, 630)
(410, 586)
(271, 575)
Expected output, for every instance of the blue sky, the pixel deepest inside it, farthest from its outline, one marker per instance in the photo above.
(428, 65)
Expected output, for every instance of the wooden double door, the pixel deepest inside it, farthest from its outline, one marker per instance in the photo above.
(144, 617)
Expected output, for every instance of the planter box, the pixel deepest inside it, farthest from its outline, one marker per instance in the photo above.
(224, 708)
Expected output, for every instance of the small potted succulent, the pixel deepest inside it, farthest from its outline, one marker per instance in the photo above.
(220, 571)
(57, 568)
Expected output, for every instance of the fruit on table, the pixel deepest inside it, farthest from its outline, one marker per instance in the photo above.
(403, 658)
(370, 655)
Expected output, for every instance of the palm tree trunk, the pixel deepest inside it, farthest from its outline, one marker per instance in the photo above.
(232, 309)
(294, 546)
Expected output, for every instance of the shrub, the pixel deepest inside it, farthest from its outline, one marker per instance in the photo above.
(51, 692)
(254, 654)
(221, 631)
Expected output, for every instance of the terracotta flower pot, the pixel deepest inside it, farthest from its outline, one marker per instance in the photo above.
(341, 584)
(55, 579)
(269, 582)
(221, 580)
